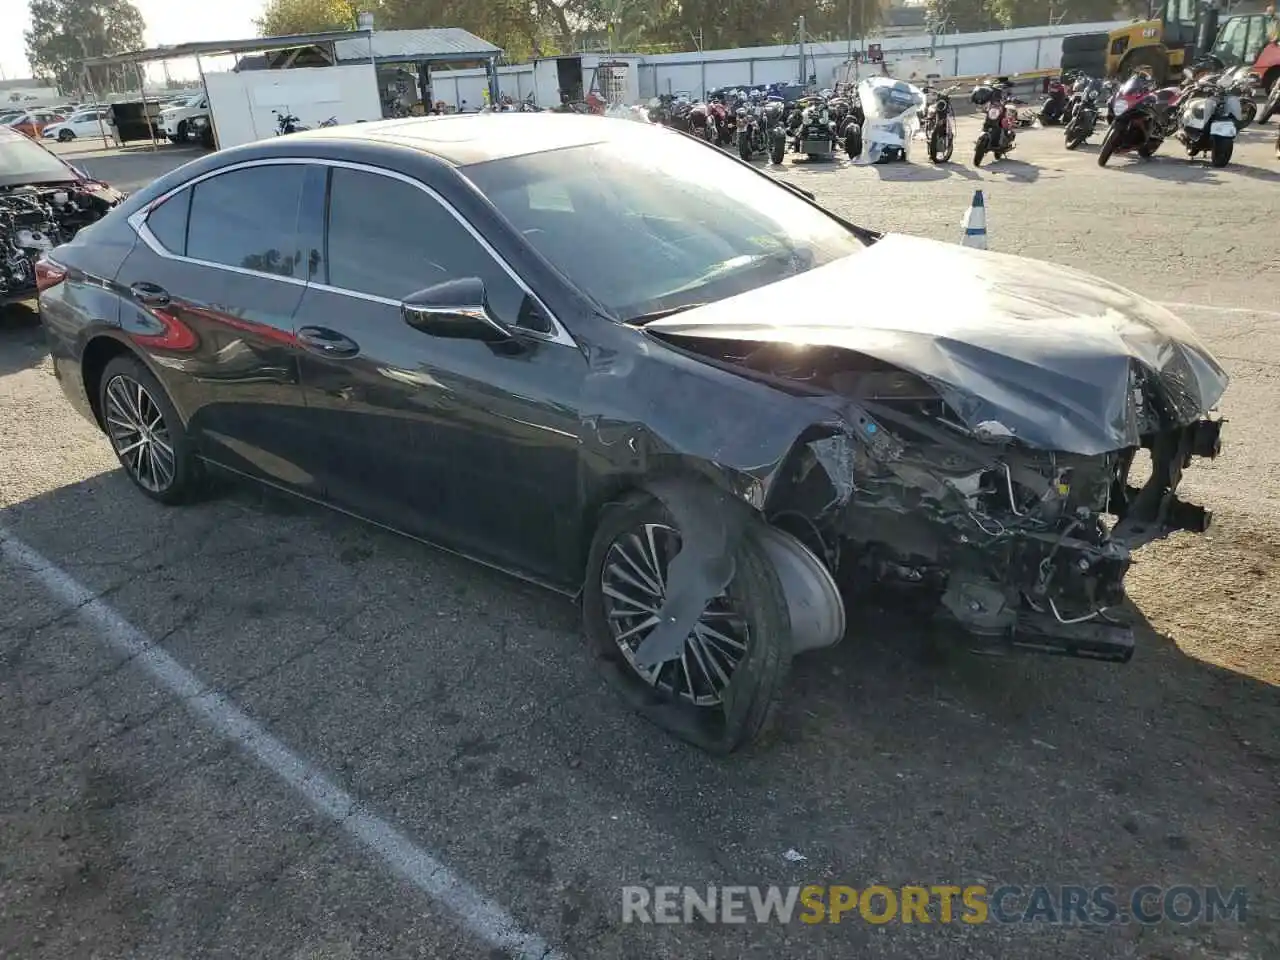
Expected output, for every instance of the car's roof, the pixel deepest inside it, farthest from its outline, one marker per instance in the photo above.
(464, 139)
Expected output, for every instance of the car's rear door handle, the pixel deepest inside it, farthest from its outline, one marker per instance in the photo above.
(329, 343)
(149, 294)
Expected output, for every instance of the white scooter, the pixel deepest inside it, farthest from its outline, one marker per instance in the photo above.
(1208, 120)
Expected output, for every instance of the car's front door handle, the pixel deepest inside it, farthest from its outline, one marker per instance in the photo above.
(149, 294)
(329, 343)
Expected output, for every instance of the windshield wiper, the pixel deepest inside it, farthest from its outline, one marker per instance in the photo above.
(640, 319)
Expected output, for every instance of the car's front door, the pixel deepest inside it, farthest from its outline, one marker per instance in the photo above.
(468, 444)
(220, 269)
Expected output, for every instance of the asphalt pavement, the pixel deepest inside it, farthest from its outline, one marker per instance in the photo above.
(252, 728)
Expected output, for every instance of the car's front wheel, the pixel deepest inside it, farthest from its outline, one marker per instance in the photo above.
(66, 136)
(146, 433)
(720, 692)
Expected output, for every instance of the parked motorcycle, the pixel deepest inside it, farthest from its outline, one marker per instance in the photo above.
(1272, 104)
(1208, 120)
(1054, 106)
(999, 120)
(1140, 120)
(811, 129)
(1245, 85)
(1083, 111)
(287, 123)
(893, 110)
(940, 124)
(752, 129)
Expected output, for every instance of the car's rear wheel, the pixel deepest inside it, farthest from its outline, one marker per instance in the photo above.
(181, 133)
(146, 433)
(720, 693)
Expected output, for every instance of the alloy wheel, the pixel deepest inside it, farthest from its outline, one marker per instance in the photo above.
(633, 581)
(139, 435)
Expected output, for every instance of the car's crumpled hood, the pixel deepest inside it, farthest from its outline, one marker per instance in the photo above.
(1046, 351)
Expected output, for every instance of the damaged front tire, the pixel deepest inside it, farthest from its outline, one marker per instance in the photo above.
(720, 692)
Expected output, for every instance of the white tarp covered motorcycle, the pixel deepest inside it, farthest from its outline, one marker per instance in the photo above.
(892, 109)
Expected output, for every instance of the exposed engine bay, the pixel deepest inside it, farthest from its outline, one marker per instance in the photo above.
(34, 220)
(1006, 541)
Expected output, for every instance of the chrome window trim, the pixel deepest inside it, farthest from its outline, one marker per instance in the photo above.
(138, 222)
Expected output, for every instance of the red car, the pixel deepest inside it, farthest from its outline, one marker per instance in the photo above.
(33, 122)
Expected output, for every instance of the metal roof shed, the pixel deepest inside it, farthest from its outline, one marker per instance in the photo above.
(428, 45)
(326, 41)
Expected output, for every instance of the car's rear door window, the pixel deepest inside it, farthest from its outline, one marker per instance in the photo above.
(389, 238)
(248, 218)
(168, 222)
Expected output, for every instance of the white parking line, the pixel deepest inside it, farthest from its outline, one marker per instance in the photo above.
(483, 917)
(1274, 314)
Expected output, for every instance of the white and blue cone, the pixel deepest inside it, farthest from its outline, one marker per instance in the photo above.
(975, 224)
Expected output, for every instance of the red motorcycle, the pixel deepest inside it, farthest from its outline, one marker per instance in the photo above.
(1138, 115)
(1000, 120)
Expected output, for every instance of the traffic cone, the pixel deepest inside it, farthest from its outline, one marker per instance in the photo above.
(975, 224)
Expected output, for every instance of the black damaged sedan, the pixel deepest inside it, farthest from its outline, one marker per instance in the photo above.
(587, 351)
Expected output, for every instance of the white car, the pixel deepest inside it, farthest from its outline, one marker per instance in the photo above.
(175, 119)
(83, 123)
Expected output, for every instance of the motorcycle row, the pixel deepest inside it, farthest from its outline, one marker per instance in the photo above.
(873, 121)
(1204, 113)
(876, 120)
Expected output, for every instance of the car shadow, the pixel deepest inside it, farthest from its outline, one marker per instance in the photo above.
(22, 343)
(893, 758)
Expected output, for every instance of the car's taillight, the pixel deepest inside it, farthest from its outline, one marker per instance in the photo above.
(49, 274)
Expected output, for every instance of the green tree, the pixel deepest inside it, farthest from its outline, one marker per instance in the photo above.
(66, 32)
(283, 17)
(961, 16)
(1024, 13)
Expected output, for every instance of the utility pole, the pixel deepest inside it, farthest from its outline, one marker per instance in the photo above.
(804, 77)
(849, 52)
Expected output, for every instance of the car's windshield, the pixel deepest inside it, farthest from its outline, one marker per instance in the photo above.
(653, 222)
(24, 161)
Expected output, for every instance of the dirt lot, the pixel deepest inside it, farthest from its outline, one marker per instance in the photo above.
(461, 708)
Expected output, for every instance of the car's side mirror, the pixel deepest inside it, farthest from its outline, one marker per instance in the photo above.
(455, 309)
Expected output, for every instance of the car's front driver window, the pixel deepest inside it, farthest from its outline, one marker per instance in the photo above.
(389, 238)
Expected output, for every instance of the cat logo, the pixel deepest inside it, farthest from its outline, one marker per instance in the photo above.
(1149, 32)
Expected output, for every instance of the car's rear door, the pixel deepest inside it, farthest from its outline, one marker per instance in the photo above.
(464, 443)
(210, 294)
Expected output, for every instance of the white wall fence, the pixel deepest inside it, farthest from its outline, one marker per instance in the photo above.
(998, 52)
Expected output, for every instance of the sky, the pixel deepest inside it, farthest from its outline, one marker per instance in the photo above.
(168, 21)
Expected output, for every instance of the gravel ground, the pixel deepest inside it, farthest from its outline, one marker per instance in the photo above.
(461, 707)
